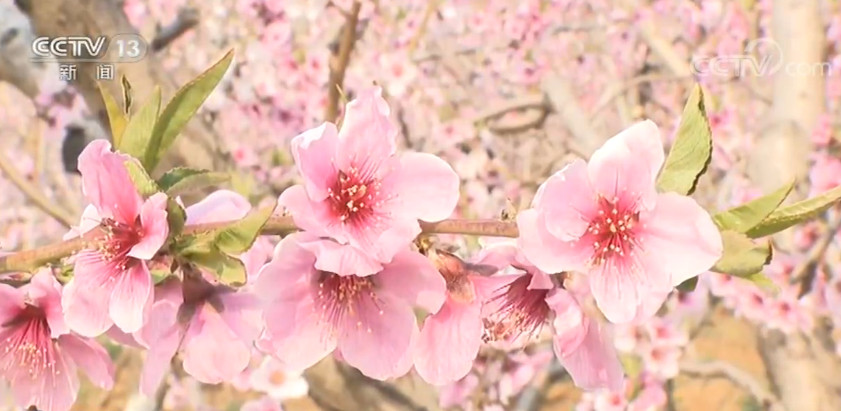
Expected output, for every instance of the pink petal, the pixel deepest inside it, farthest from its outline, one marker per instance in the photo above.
(396, 238)
(308, 215)
(90, 220)
(626, 165)
(106, 182)
(158, 360)
(449, 342)
(498, 255)
(413, 278)
(568, 201)
(219, 206)
(46, 292)
(132, 298)
(426, 186)
(85, 298)
(341, 259)
(155, 228)
(53, 390)
(163, 315)
(297, 335)
(11, 303)
(619, 289)
(681, 237)
(88, 355)
(546, 252)
(242, 314)
(314, 151)
(594, 364)
(212, 352)
(367, 136)
(288, 271)
(378, 339)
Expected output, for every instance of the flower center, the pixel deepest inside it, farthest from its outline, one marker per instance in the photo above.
(612, 231)
(340, 297)
(28, 347)
(277, 378)
(119, 239)
(354, 196)
(521, 311)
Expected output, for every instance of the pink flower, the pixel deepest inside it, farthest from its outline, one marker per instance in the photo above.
(523, 306)
(111, 282)
(277, 382)
(357, 191)
(212, 325)
(825, 173)
(606, 219)
(451, 337)
(40, 354)
(310, 312)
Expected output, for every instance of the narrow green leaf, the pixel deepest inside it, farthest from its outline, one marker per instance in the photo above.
(116, 117)
(796, 213)
(145, 185)
(138, 133)
(230, 270)
(742, 257)
(688, 285)
(127, 98)
(692, 149)
(239, 237)
(175, 216)
(182, 180)
(159, 275)
(183, 106)
(748, 215)
(762, 281)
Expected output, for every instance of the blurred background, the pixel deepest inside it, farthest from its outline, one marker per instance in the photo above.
(507, 91)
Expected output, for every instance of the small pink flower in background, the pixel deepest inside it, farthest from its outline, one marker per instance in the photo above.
(40, 355)
(398, 72)
(212, 325)
(357, 191)
(605, 218)
(664, 332)
(521, 372)
(652, 397)
(457, 393)
(262, 404)
(111, 282)
(310, 311)
(822, 134)
(272, 379)
(825, 173)
(661, 360)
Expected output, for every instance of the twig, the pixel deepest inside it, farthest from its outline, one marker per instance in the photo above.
(340, 62)
(188, 17)
(630, 84)
(431, 7)
(721, 369)
(537, 101)
(36, 196)
(534, 119)
(278, 225)
(808, 269)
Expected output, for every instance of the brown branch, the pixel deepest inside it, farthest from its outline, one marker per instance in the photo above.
(340, 62)
(188, 17)
(33, 193)
(721, 369)
(808, 269)
(278, 225)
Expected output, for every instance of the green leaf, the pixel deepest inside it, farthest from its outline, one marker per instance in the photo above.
(239, 237)
(138, 133)
(159, 275)
(762, 281)
(127, 98)
(183, 106)
(748, 215)
(689, 285)
(145, 185)
(175, 217)
(182, 180)
(116, 117)
(796, 213)
(692, 149)
(230, 270)
(742, 257)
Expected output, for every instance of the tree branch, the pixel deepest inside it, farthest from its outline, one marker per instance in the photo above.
(808, 269)
(278, 225)
(188, 17)
(33, 193)
(341, 59)
(721, 369)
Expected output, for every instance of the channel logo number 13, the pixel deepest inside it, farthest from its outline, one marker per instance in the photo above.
(127, 48)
